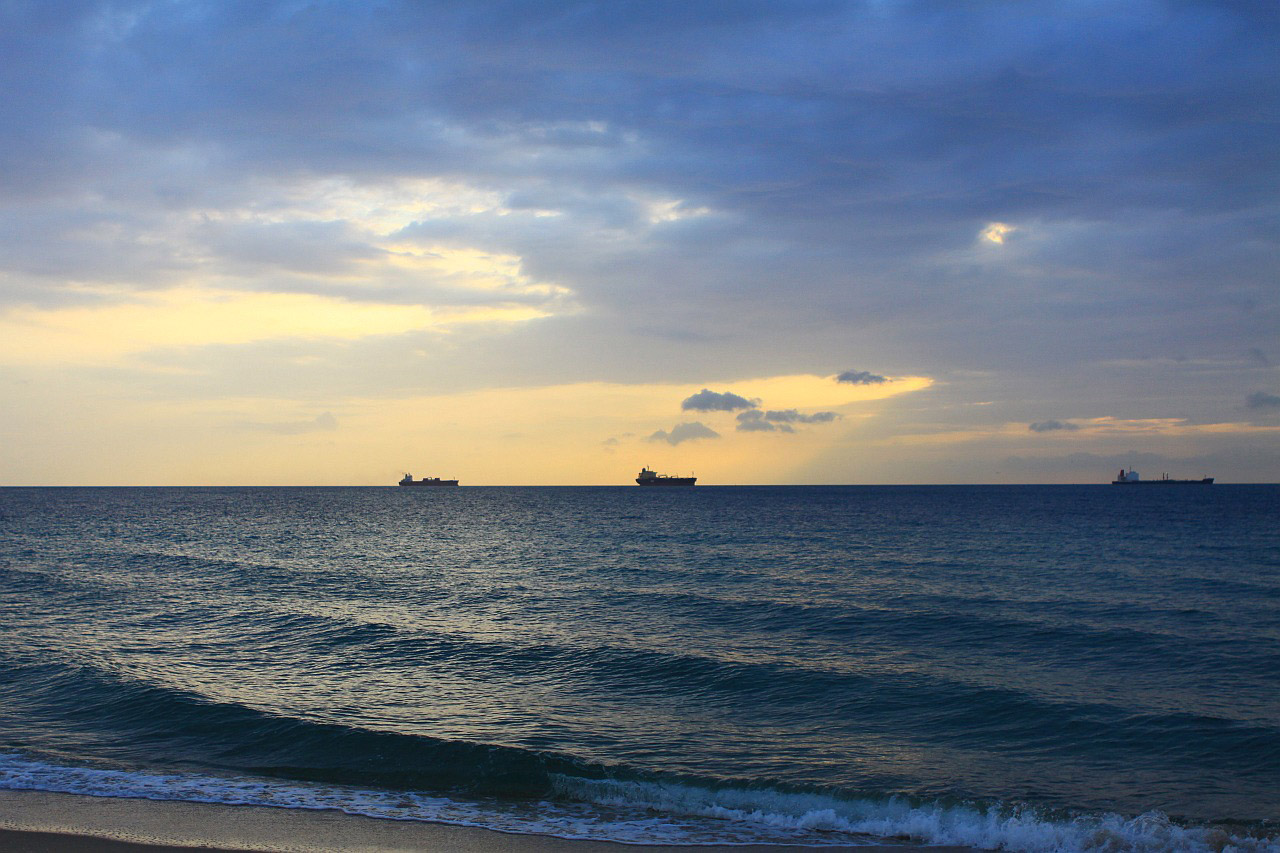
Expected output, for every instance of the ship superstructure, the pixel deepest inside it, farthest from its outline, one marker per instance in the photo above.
(652, 478)
(407, 480)
(1132, 478)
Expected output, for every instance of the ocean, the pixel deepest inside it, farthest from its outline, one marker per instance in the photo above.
(1025, 668)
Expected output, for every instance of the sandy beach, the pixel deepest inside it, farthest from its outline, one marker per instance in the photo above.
(41, 822)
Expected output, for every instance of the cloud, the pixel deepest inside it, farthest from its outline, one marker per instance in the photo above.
(711, 401)
(619, 182)
(325, 422)
(791, 416)
(1050, 426)
(684, 432)
(1262, 400)
(861, 377)
(753, 420)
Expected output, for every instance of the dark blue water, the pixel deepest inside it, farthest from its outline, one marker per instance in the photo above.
(1038, 668)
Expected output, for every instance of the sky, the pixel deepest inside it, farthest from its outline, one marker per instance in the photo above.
(327, 243)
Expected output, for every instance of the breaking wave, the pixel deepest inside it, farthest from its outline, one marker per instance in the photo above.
(640, 812)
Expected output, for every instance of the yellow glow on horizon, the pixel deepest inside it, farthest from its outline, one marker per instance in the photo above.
(572, 434)
(1171, 426)
(807, 390)
(1087, 430)
(557, 434)
(189, 316)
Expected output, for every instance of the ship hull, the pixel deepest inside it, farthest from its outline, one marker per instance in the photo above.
(667, 481)
(429, 484)
(1207, 481)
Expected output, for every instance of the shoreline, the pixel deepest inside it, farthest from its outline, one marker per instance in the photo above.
(46, 822)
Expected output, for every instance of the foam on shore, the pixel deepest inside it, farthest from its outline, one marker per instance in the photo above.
(650, 813)
(68, 823)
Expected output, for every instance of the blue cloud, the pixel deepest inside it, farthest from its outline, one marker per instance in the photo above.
(712, 401)
(861, 377)
(1262, 400)
(1050, 426)
(792, 416)
(684, 432)
(754, 420)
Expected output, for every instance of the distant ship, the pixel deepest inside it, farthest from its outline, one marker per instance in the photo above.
(1131, 478)
(650, 478)
(407, 480)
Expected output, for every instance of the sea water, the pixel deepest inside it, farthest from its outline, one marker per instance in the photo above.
(1025, 668)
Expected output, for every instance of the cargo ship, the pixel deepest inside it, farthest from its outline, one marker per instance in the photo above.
(407, 480)
(1131, 478)
(651, 478)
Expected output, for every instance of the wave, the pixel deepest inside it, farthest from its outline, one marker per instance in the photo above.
(253, 757)
(995, 827)
(99, 714)
(129, 707)
(639, 812)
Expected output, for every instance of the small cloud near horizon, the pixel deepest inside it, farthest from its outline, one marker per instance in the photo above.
(861, 377)
(684, 432)
(790, 416)
(1050, 426)
(707, 400)
(1262, 400)
(754, 420)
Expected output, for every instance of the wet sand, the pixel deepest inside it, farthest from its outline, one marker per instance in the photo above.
(40, 822)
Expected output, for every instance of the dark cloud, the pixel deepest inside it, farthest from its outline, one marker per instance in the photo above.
(755, 420)
(712, 401)
(861, 377)
(1262, 400)
(1050, 426)
(684, 432)
(793, 124)
(791, 416)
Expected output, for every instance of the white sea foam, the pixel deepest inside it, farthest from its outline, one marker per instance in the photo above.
(995, 828)
(654, 813)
